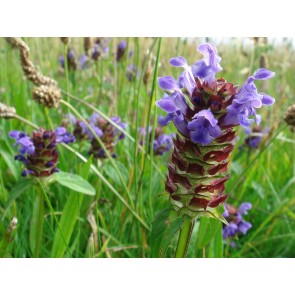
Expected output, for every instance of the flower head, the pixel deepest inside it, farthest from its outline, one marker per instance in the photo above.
(205, 110)
(236, 224)
(38, 152)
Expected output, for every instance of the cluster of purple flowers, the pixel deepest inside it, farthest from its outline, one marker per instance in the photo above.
(236, 224)
(108, 134)
(162, 142)
(38, 152)
(71, 60)
(99, 49)
(205, 110)
(202, 119)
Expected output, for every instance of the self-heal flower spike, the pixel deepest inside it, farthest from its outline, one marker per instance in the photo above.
(205, 110)
(38, 153)
(104, 130)
(236, 224)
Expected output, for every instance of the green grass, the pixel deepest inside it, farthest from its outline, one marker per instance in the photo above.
(116, 222)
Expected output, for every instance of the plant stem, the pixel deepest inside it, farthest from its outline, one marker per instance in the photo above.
(184, 237)
(37, 223)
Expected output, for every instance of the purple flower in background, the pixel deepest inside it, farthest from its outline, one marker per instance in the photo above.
(71, 60)
(121, 50)
(108, 133)
(38, 153)
(236, 224)
(203, 128)
(100, 48)
(254, 137)
(84, 61)
(132, 72)
(162, 142)
(247, 100)
(63, 136)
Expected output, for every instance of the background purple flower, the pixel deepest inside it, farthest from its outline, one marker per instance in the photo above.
(236, 224)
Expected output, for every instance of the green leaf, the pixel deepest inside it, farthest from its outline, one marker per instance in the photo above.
(216, 244)
(112, 173)
(207, 230)
(68, 218)
(74, 182)
(166, 224)
(19, 188)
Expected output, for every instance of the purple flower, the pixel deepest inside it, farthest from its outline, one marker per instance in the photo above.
(244, 207)
(162, 142)
(244, 226)
(63, 136)
(236, 224)
(255, 136)
(25, 142)
(122, 45)
(187, 77)
(83, 61)
(203, 128)
(247, 100)
(209, 66)
(230, 230)
(38, 153)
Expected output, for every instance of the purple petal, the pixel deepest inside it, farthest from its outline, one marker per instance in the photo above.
(244, 207)
(267, 100)
(163, 121)
(178, 61)
(14, 134)
(167, 105)
(263, 74)
(167, 83)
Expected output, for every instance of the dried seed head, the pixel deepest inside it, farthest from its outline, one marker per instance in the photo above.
(28, 67)
(7, 112)
(65, 40)
(47, 95)
(290, 117)
(87, 45)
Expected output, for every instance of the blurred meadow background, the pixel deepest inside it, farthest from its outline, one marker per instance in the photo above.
(130, 188)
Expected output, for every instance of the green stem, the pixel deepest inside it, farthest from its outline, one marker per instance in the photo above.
(184, 237)
(37, 221)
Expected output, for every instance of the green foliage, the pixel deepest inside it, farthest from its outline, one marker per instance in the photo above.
(74, 182)
(106, 209)
(167, 223)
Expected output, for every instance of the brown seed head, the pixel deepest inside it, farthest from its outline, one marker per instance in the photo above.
(290, 117)
(7, 112)
(47, 95)
(65, 40)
